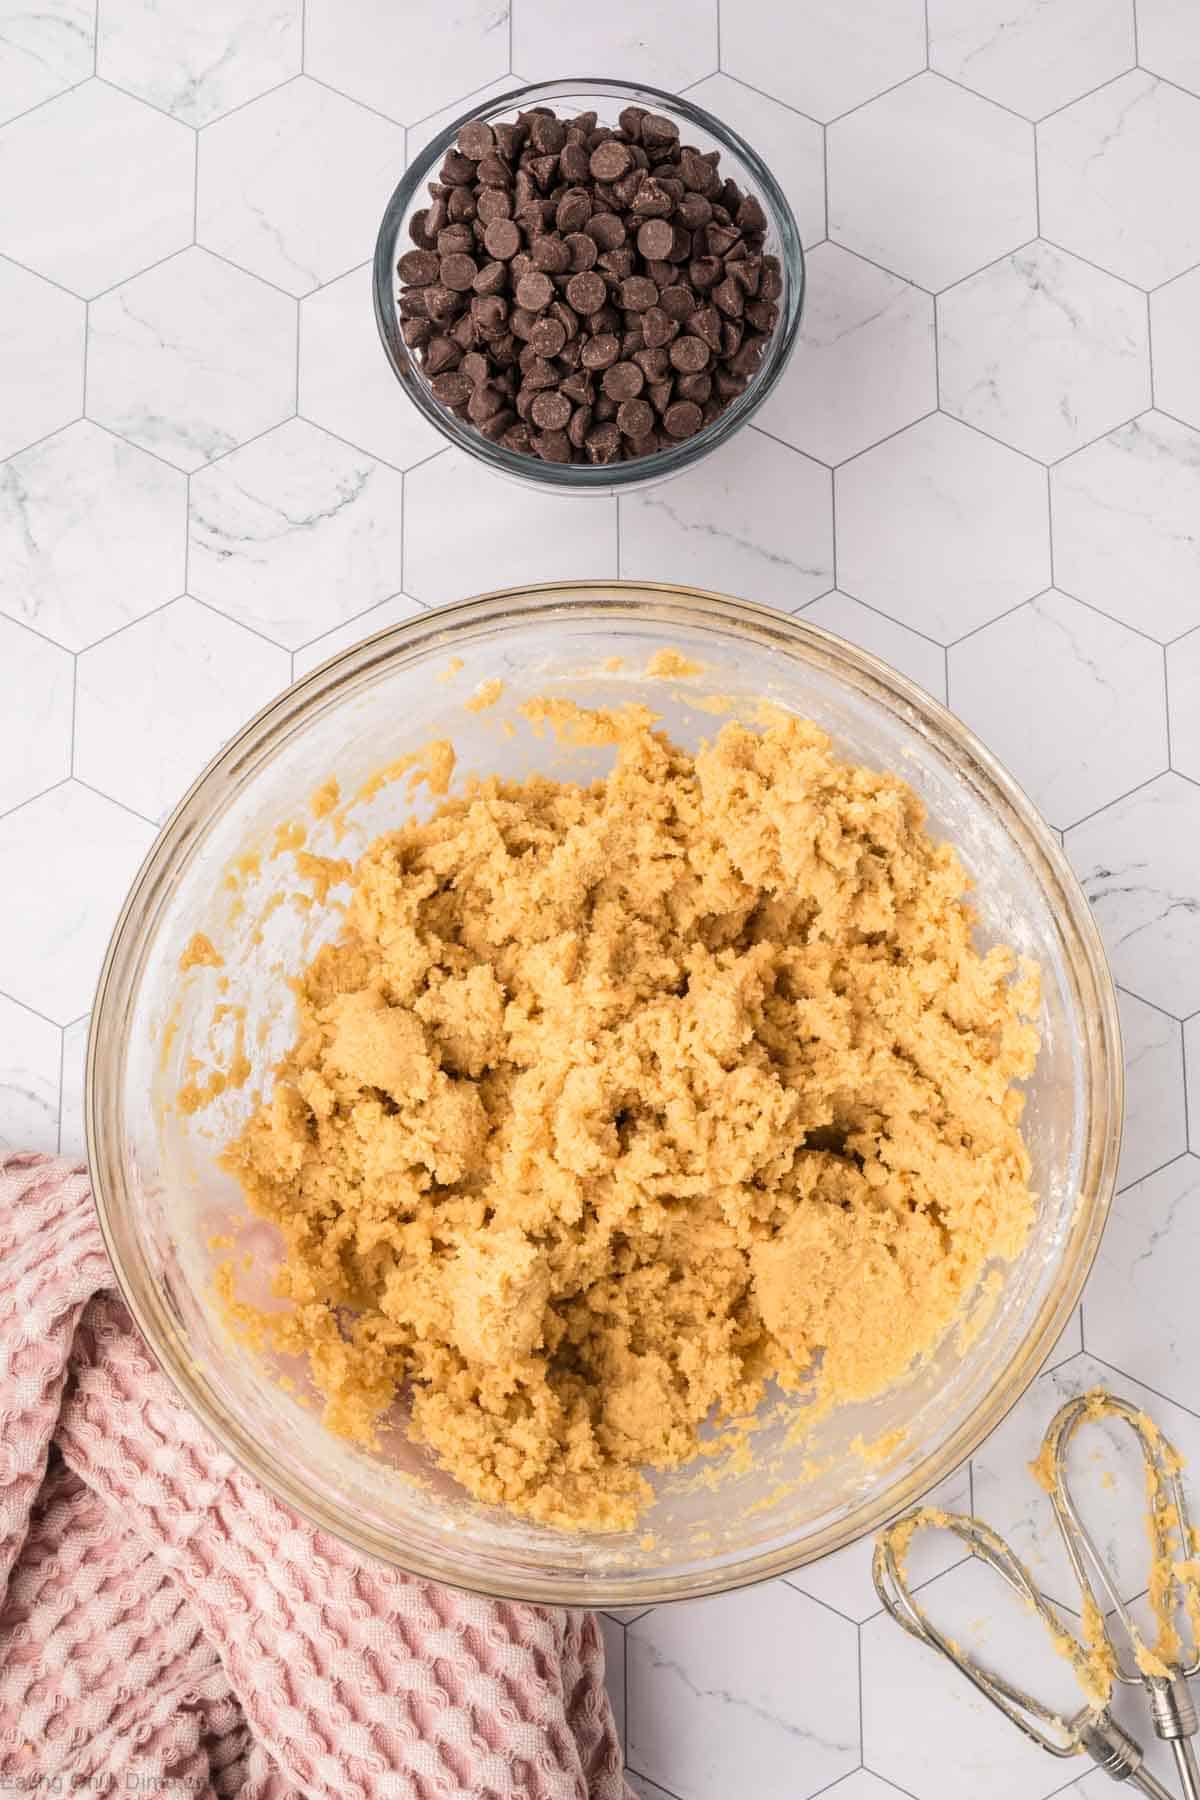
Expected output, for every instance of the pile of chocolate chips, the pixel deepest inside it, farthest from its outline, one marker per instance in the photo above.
(586, 295)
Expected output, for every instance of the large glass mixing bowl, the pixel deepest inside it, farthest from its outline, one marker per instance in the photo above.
(162, 1195)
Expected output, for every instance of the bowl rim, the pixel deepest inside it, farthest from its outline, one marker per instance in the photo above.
(239, 760)
(583, 478)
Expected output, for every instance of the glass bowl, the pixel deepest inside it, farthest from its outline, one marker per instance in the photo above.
(606, 98)
(162, 1195)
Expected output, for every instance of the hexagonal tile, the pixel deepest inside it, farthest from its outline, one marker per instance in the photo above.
(792, 147)
(30, 1052)
(843, 1580)
(1146, 1271)
(378, 618)
(41, 358)
(54, 926)
(1169, 41)
(1092, 719)
(184, 680)
(1043, 351)
(74, 1057)
(295, 533)
(1137, 863)
(1119, 178)
(669, 44)
(974, 1751)
(862, 1785)
(113, 192)
(1174, 311)
(191, 358)
(92, 535)
(197, 62)
(45, 49)
(835, 57)
(865, 363)
(1103, 1466)
(1032, 58)
(755, 1693)
(426, 129)
(942, 528)
(754, 518)
(1191, 1060)
(917, 657)
(346, 383)
(646, 1790)
(931, 181)
(1125, 513)
(1183, 693)
(1155, 1110)
(516, 535)
(405, 62)
(35, 721)
(293, 186)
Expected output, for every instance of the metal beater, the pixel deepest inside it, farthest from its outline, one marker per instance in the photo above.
(1164, 1668)
(1092, 1730)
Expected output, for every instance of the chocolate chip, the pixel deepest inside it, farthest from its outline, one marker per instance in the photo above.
(695, 387)
(551, 411)
(689, 355)
(634, 418)
(585, 292)
(547, 337)
(660, 393)
(502, 239)
(457, 170)
(653, 200)
(452, 389)
(657, 328)
(485, 401)
(729, 297)
(574, 162)
(535, 290)
(693, 211)
(493, 204)
(619, 264)
(442, 353)
(581, 424)
(416, 332)
(553, 446)
(705, 323)
(655, 238)
(610, 161)
(653, 364)
(551, 254)
(624, 381)
(476, 139)
(638, 293)
(491, 279)
(455, 239)
(419, 267)
(579, 387)
(601, 351)
(493, 172)
(704, 272)
(606, 230)
(682, 419)
(583, 250)
(603, 443)
(630, 120)
(678, 302)
(573, 210)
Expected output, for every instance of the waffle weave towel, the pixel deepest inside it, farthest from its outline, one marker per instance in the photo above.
(167, 1629)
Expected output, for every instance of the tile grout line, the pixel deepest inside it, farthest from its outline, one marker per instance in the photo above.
(62, 1065)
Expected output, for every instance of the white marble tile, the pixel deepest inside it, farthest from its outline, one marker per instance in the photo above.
(1043, 351)
(346, 382)
(1032, 58)
(931, 181)
(613, 1634)
(752, 519)
(752, 1693)
(1191, 1059)
(1104, 1467)
(191, 358)
(1155, 1114)
(36, 679)
(295, 533)
(1137, 863)
(184, 680)
(1146, 1272)
(92, 535)
(928, 1728)
(68, 858)
(646, 1790)
(1183, 693)
(792, 147)
(1125, 514)
(832, 57)
(293, 186)
(406, 60)
(668, 45)
(516, 535)
(1169, 41)
(1071, 702)
(30, 1050)
(862, 1785)
(43, 49)
(922, 661)
(41, 358)
(864, 365)
(1070, 1342)
(1175, 334)
(843, 1580)
(378, 618)
(1119, 178)
(71, 1135)
(428, 127)
(197, 62)
(942, 528)
(94, 187)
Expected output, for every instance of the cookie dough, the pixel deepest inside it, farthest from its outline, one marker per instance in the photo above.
(612, 1104)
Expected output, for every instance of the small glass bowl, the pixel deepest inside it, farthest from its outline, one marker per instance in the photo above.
(606, 98)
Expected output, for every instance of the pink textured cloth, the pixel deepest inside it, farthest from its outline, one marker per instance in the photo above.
(166, 1627)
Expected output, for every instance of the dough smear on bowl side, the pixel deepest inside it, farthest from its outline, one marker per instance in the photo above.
(612, 1104)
